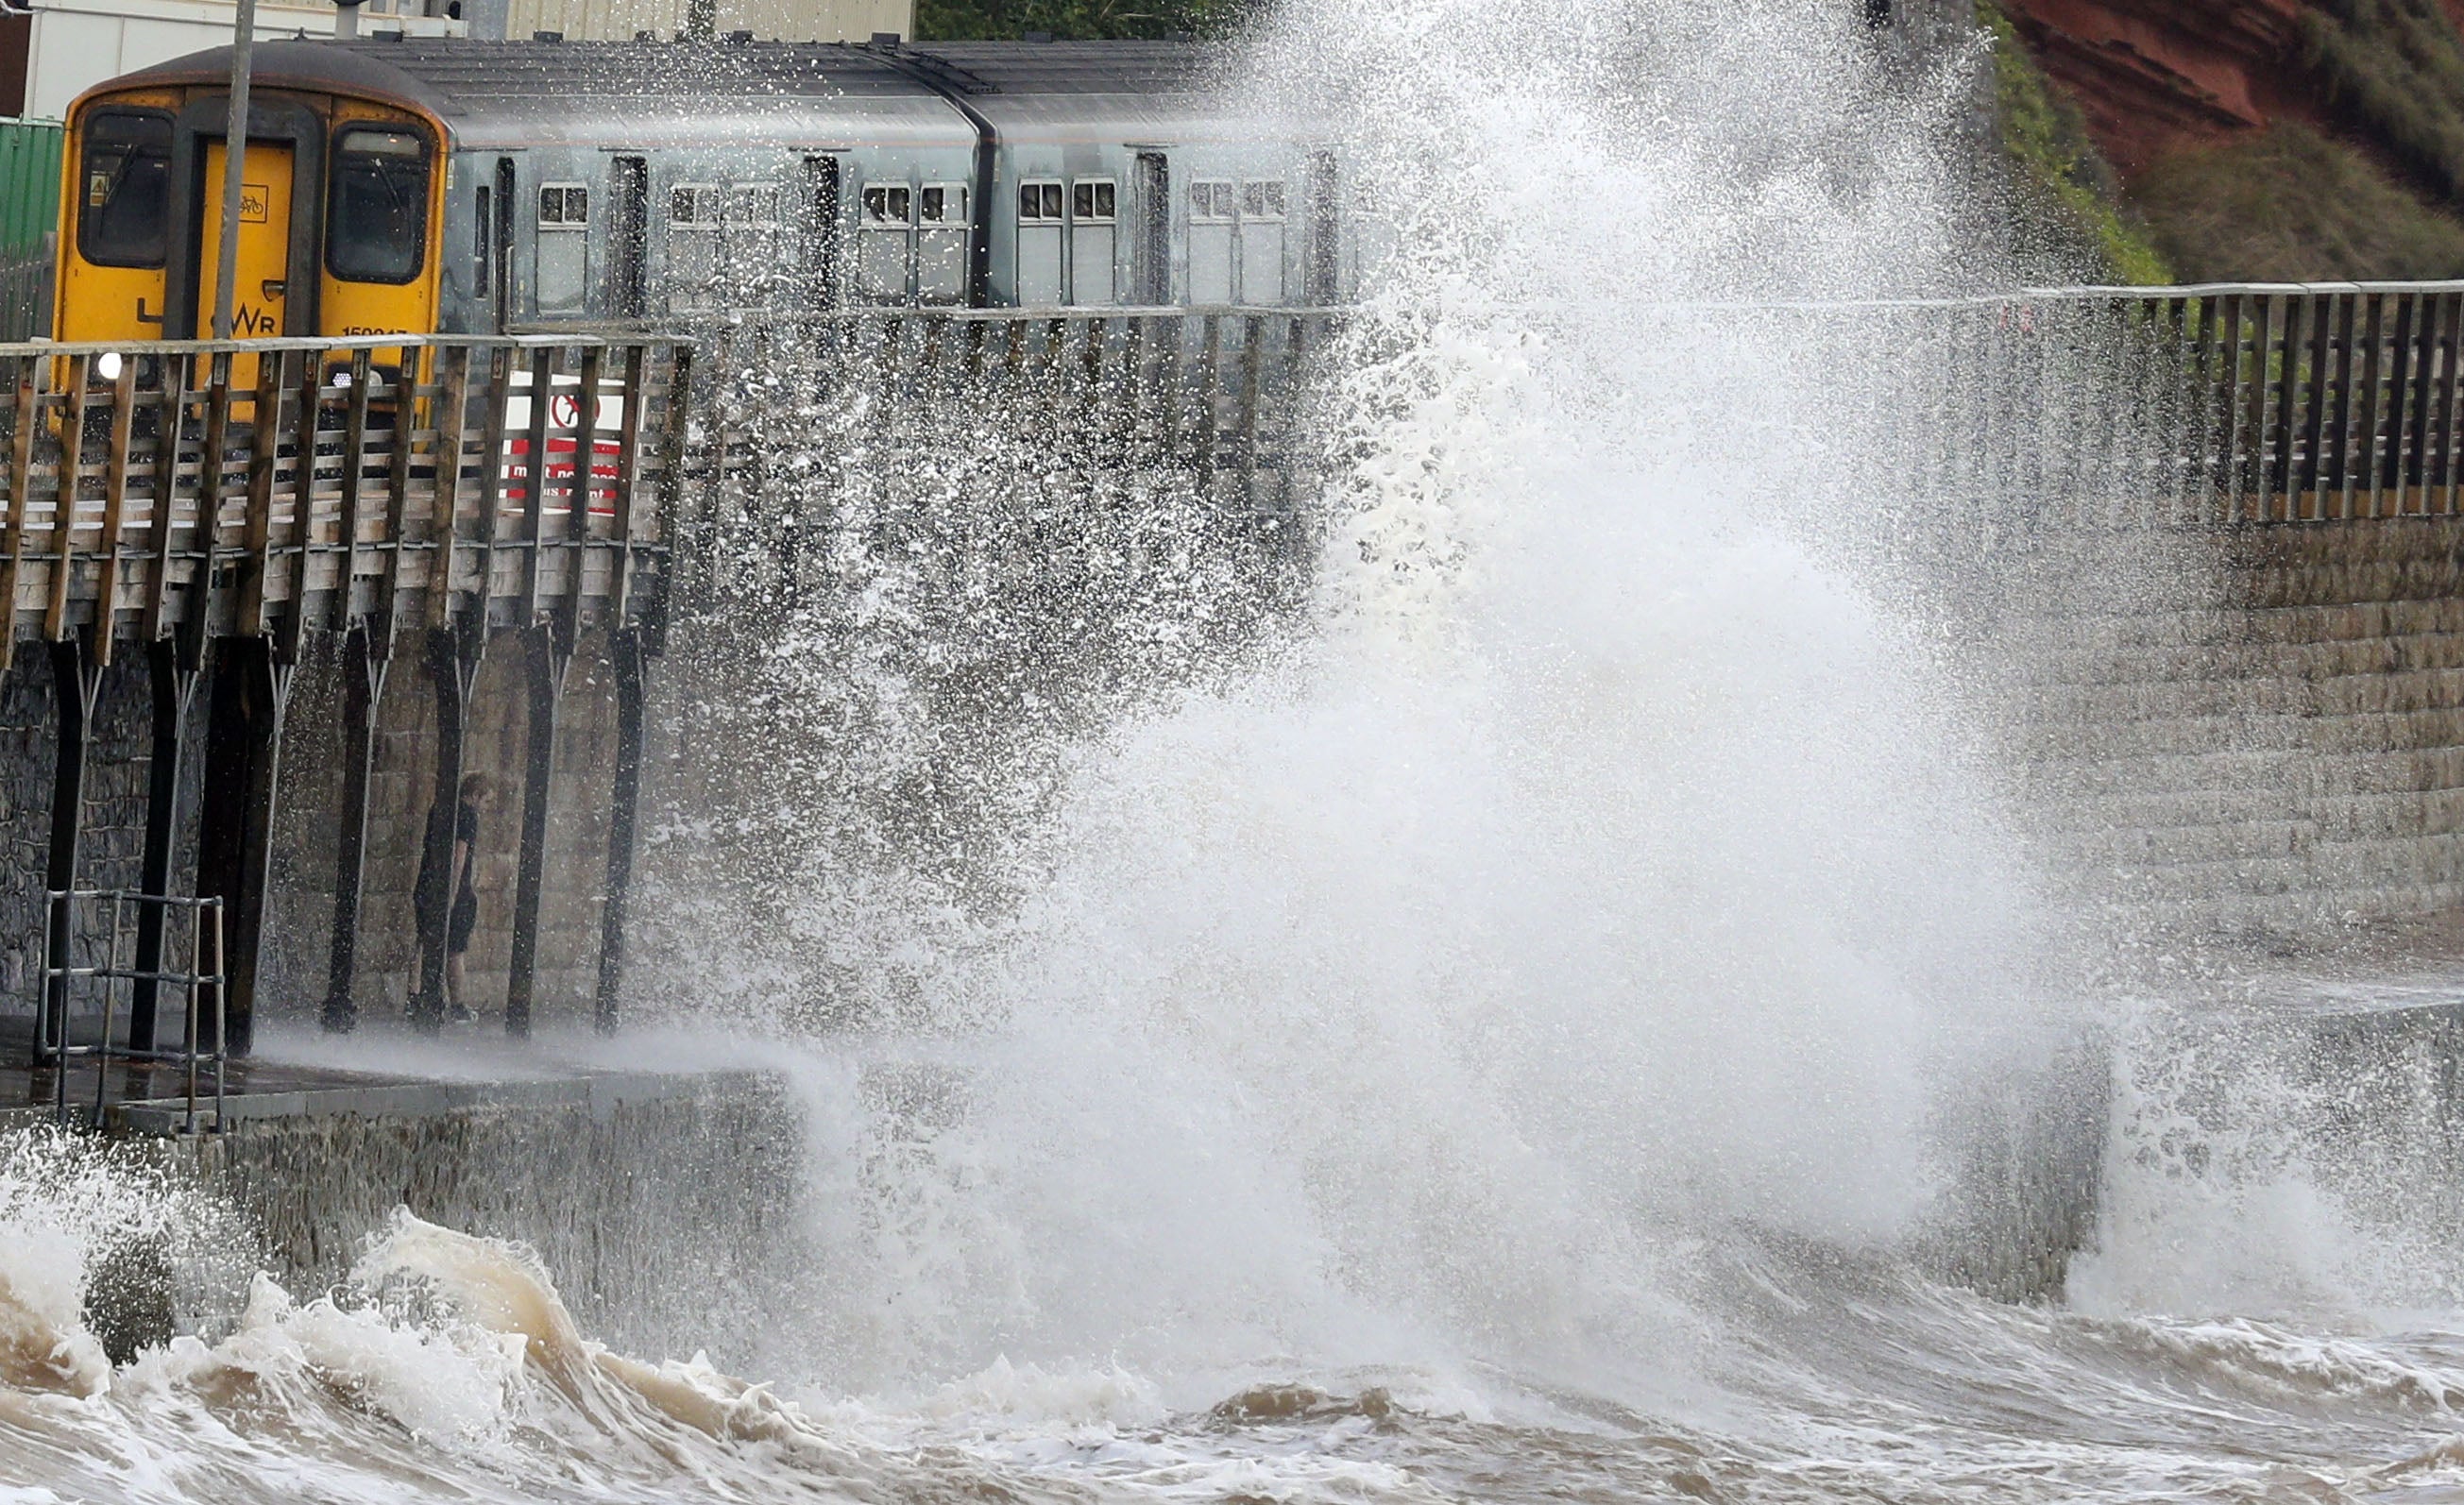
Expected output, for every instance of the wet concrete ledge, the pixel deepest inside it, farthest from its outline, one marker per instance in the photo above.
(151, 1099)
(599, 1093)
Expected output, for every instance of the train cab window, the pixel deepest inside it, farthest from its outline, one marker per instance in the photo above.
(124, 206)
(884, 249)
(376, 218)
(1040, 255)
(1261, 241)
(1213, 216)
(941, 239)
(1094, 231)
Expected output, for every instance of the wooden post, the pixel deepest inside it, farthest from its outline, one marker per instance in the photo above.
(75, 676)
(172, 670)
(550, 652)
(452, 664)
(27, 422)
(365, 660)
(355, 448)
(115, 508)
(252, 687)
(624, 805)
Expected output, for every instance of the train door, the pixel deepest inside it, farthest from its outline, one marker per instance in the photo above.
(560, 249)
(943, 233)
(1152, 258)
(1324, 245)
(1264, 207)
(261, 279)
(1211, 222)
(1039, 244)
(1094, 229)
(501, 272)
(885, 243)
(629, 237)
(821, 226)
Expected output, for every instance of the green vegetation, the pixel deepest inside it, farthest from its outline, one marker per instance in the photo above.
(2394, 74)
(2290, 205)
(1083, 20)
(2079, 219)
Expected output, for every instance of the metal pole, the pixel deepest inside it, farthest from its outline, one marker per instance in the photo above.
(234, 165)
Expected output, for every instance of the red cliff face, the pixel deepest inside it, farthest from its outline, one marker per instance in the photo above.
(2152, 76)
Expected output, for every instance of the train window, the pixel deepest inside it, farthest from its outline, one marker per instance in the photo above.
(564, 206)
(893, 205)
(1093, 200)
(376, 220)
(1039, 201)
(693, 206)
(1210, 201)
(942, 203)
(481, 239)
(1262, 200)
(124, 210)
(753, 204)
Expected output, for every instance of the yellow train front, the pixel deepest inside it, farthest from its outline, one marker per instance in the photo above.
(339, 215)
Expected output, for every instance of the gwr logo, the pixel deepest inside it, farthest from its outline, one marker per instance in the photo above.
(253, 199)
(251, 323)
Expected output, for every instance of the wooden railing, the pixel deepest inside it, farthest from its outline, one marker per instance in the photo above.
(1031, 431)
(269, 486)
(2216, 405)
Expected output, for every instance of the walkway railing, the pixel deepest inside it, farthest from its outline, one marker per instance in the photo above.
(2220, 404)
(247, 488)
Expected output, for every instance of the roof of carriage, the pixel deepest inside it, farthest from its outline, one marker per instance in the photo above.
(805, 93)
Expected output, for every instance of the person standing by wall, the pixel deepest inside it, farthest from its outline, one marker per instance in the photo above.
(454, 889)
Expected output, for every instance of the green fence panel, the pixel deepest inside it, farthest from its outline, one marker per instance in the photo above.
(30, 184)
(30, 209)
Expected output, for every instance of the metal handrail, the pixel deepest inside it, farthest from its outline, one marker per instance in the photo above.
(290, 342)
(59, 1051)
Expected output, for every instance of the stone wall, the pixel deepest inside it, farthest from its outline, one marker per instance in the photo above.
(299, 914)
(2260, 732)
(119, 767)
(299, 921)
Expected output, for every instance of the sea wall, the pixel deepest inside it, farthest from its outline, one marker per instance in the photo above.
(308, 820)
(300, 911)
(667, 1209)
(2257, 733)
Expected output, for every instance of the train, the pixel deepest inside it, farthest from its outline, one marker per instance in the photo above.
(451, 186)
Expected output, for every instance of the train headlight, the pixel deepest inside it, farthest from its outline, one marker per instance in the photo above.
(108, 365)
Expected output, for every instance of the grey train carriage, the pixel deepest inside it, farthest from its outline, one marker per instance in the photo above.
(603, 182)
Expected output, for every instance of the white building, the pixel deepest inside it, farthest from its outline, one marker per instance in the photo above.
(770, 20)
